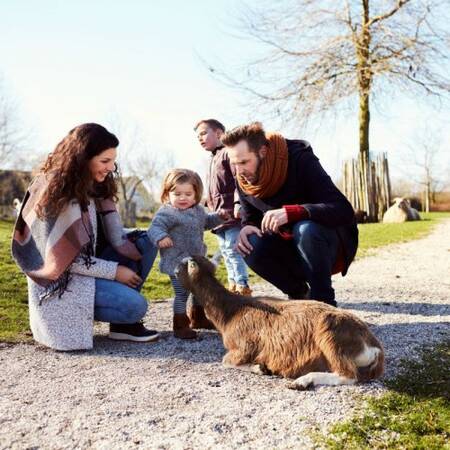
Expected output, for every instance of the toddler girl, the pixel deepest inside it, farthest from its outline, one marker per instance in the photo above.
(177, 229)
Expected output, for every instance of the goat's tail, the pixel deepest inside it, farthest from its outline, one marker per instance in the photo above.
(339, 362)
(368, 366)
(349, 347)
(365, 366)
(375, 369)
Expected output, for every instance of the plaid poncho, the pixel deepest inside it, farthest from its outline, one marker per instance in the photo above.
(45, 248)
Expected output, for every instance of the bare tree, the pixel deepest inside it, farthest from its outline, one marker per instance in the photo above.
(426, 165)
(144, 170)
(139, 167)
(12, 137)
(320, 54)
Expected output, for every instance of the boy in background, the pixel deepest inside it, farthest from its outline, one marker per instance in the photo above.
(221, 195)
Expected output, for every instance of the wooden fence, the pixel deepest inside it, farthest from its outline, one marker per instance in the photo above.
(367, 185)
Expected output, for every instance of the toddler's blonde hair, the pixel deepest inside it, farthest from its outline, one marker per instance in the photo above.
(179, 176)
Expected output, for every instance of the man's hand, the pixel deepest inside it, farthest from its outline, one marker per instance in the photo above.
(165, 242)
(243, 246)
(126, 276)
(273, 220)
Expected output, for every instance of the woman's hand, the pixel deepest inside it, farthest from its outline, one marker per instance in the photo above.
(165, 242)
(126, 276)
(243, 246)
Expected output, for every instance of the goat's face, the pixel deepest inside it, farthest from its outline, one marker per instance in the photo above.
(192, 269)
(401, 203)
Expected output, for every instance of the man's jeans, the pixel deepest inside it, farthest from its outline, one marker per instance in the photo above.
(116, 302)
(309, 256)
(236, 267)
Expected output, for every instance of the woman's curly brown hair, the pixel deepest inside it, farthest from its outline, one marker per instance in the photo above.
(68, 174)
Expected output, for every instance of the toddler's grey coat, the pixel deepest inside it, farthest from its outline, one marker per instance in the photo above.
(185, 227)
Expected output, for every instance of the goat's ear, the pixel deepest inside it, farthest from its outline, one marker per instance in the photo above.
(192, 267)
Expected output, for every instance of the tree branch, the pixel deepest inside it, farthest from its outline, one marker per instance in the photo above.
(381, 17)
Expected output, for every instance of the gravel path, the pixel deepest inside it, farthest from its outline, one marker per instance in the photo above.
(176, 395)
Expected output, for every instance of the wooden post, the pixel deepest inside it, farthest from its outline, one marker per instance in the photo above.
(367, 185)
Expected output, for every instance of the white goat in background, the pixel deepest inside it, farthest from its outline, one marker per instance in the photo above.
(400, 211)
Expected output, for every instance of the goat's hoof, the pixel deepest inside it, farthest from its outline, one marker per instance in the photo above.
(260, 369)
(265, 370)
(300, 386)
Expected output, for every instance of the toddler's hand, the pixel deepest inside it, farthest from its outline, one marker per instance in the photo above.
(224, 214)
(165, 242)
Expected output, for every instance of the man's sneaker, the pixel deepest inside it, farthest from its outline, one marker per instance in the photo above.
(132, 332)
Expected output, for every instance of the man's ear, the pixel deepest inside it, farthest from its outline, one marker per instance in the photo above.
(263, 151)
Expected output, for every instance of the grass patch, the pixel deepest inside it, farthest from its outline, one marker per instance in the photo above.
(375, 235)
(13, 292)
(415, 414)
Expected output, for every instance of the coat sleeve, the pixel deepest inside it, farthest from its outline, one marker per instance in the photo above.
(100, 268)
(327, 205)
(160, 227)
(225, 185)
(212, 220)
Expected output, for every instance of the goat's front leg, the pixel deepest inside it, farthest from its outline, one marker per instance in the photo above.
(312, 379)
(235, 360)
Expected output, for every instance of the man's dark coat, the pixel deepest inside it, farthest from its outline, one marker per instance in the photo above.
(307, 184)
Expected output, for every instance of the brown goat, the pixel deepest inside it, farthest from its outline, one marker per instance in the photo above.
(306, 340)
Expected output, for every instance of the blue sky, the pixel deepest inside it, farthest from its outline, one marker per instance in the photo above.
(72, 62)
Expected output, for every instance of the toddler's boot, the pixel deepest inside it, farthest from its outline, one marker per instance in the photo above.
(181, 329)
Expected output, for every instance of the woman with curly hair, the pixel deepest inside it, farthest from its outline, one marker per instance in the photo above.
(69, 241)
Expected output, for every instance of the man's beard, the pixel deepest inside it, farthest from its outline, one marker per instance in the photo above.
(258, 167)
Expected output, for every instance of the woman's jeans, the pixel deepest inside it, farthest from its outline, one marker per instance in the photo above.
(235, 264)
(116, 302)
(309, 256)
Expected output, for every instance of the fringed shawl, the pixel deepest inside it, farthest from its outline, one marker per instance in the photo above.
(45, 248)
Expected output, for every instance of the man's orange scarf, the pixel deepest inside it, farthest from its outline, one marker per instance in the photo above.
(272, 169)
